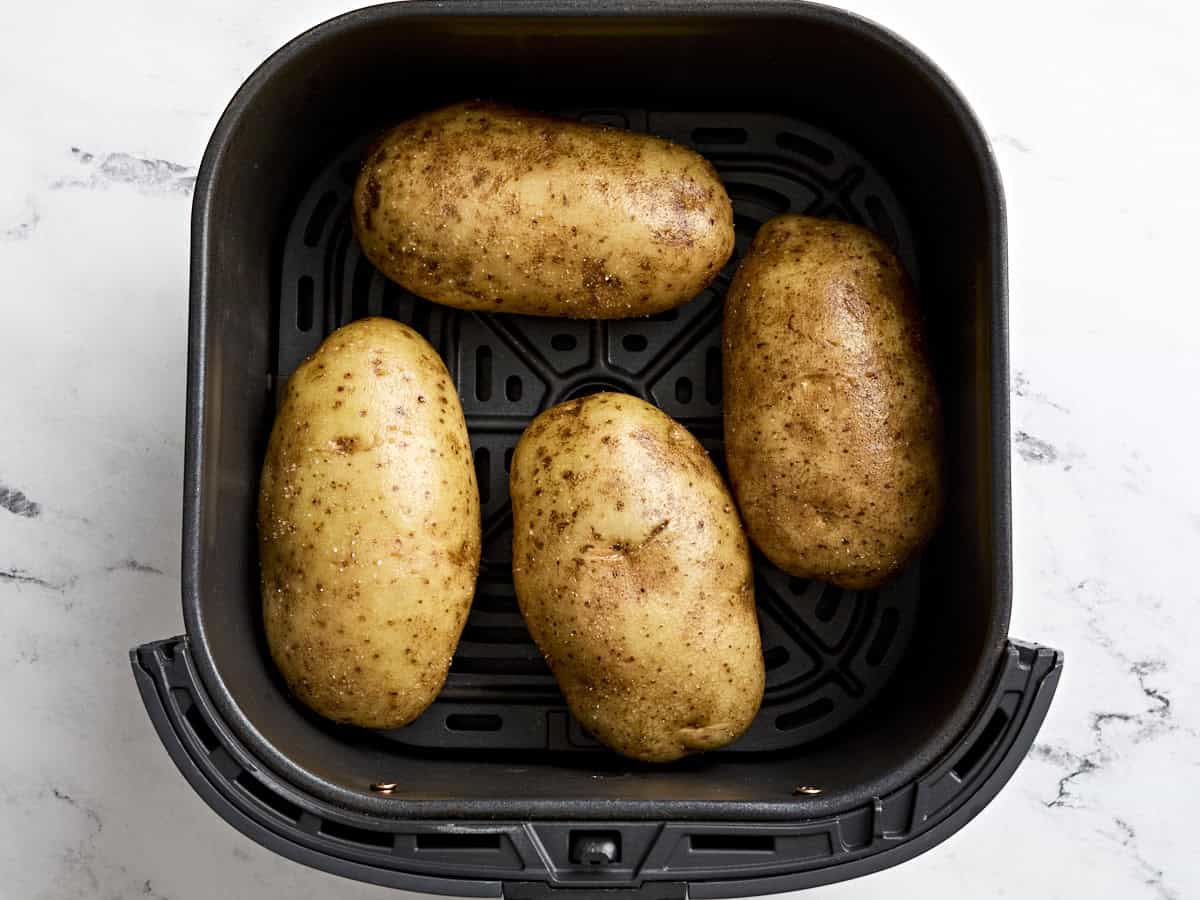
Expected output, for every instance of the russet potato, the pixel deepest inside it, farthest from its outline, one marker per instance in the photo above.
(487, 207)
(369, 532)
(832, 419)
(633, 575)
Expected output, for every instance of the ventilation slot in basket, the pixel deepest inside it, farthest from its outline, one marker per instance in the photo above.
(732, 843)
(483, 374)
(804, 147)
(267, 797)
(827, 606)
(316, 225)
(683, 390)
(712, 375)
(304, 303)
(474, 722)
(805, 715)
(353, 835)
(634, 343)
(360, 288)
(445, 841)
(978, 750)
(717, 136)
(775, 657)
(195, 719)
(889, 623)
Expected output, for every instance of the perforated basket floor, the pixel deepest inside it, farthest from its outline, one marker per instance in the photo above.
(827, 651)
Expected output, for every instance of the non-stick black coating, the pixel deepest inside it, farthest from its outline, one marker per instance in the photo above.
(381, 64)
(828, 652)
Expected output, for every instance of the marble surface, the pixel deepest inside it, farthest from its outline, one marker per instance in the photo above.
(1091, 108)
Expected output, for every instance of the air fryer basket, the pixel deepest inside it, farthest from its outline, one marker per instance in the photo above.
(890, 718)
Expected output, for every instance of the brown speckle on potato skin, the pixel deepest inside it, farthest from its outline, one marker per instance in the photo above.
(468, 206)
(335, 582)
(625, 596)
(833, 432)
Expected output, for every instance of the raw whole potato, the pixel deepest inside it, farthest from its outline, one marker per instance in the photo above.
(633, 575)
(832, 421)
(492, 208)
(368, 523)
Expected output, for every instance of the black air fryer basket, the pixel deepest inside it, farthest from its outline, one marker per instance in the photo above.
(891, 717)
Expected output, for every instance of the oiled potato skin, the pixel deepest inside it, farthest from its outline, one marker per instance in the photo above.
(832, 421)
(633, 575)
(486, 207)
(369, 532)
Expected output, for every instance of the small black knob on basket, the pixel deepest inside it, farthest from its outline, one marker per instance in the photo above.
(595, 848)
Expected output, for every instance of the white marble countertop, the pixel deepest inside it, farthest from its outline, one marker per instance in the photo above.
(1092, 111)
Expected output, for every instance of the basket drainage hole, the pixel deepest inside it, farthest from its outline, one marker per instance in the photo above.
(827, 606)
(513, 389)
(474, 722)
(304, 304)
(483, 374)
(719, 135)
(889, 623)
(634, 343)
(979, 749)
(458, 841)
(804, 147)
(195, 720)
(354, 835)
(316, 224)
(805, 715)
(683, 390)
(268, 797)
(712, 375)
(732, 843)
(564, 342)
(775, 657)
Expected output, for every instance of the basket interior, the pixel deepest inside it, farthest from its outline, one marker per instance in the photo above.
(862, 686)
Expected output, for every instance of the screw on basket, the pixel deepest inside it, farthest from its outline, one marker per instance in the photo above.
(805, 790)
(383, 787)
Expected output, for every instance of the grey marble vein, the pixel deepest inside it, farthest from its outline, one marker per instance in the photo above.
(1035, 450)
(1008, 140)
(81, 858)
(151, 176)
(129, 564)
(18, 504)
(20, 576)
(1022, 389)
(1151, 875)
(22, 230)
(1155, 718)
